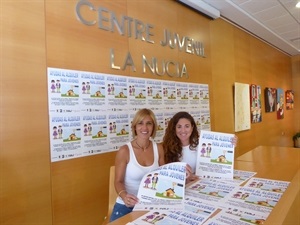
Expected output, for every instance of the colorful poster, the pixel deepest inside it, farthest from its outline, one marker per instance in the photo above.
(280, 104)
(169, 94)
(268, 184)
(252, 200)
(65, 136)
(215, 156)
(194, 95)
(154, 93)
(270, 99)
(255, 101)
(211, 191)
(289, 99)
(229, 218)
(163, 188)
(63, 91)
(137, 92)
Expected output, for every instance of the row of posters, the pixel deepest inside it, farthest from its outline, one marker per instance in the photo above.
(90, 113)
(248, 104)
(276, 100)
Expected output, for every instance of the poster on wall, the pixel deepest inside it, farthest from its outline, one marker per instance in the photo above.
(270, 99)
(280, 104)
(91, 113)
(289, 99)
(242, 107)
(255, 102)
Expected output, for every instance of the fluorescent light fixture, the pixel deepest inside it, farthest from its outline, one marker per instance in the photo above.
(298, 5)
(203, 7)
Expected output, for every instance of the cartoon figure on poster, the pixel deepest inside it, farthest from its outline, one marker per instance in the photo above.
(154, 217)
(58, 86)
(270, 99)
(289, 96)
(280, 104)
(55, 133)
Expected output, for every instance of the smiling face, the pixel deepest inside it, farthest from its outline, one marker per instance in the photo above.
(144, 128)
(184, 130)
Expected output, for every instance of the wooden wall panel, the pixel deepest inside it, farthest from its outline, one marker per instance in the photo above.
(240, 57)
(25, 190)
(40, 34)
(296, 87)
(80, 186)
(223, 75)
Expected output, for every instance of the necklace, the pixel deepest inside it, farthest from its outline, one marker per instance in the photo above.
(144, 149)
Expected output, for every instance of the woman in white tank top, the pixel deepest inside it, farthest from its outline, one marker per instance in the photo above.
(134, 160)
(181, 142)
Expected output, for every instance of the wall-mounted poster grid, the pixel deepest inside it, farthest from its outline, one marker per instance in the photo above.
(91, 113)
(255, 103)
(280, 104)
(289, 99)
(270, 99)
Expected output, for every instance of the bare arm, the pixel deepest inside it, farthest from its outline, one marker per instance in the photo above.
(121, 161)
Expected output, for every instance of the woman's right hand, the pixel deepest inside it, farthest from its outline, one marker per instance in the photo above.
(130, 200)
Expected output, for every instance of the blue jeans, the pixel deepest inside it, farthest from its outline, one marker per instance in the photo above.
(119, 210)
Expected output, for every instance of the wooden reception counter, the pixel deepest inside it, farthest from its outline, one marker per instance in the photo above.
(278, 163)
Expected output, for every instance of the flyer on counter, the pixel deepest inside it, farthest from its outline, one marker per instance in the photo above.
(223, 218)
(241, 176)
(252, 200)
(211, 191)
(215, 157)
(165, 217)
(268, 185)
(163, 188)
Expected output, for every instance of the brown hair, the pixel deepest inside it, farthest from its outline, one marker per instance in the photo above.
(171, 143)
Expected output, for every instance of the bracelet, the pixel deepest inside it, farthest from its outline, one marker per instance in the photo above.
(121, 192)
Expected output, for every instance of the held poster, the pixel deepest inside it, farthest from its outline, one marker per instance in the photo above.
(163, 188)
(215, 155)
(90, 113)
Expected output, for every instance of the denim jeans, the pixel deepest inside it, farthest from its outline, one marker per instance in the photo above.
(119, 210)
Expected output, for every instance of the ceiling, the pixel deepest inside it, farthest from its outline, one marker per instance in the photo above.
(277, 22)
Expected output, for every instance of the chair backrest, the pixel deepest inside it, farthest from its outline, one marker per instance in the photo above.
(112, 196)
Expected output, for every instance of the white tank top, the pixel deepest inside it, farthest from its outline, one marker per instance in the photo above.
(189, 156)
(135, 172)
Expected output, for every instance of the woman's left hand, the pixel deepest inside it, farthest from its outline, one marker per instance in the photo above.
(234, 140)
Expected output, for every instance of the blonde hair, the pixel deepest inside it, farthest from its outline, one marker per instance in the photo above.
(139, 116)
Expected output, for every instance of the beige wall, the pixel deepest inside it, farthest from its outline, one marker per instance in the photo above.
(40, 34)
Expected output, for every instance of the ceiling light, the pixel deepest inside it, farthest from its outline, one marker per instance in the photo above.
(298, 5)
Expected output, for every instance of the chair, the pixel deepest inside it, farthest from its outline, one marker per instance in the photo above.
(112, 194)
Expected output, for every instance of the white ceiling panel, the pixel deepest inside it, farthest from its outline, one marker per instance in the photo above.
(275, 21)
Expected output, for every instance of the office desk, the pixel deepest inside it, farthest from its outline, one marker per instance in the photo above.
(278, 163)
